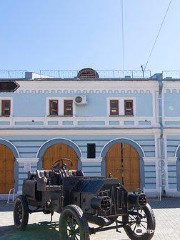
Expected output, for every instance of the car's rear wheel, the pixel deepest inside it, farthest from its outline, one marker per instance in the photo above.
(140, 223)
(21, 212)
(73, 224)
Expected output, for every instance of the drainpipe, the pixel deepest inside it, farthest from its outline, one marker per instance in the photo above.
(161, 162)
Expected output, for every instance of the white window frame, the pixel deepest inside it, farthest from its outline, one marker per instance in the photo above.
(11, 109)
(121, 106)
(60, 106)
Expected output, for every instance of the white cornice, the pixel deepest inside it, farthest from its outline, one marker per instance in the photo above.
(80, 132)
(83, 91)
(87, 87)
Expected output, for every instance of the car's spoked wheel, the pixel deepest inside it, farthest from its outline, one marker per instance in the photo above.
(72, 228)
(139, 224)
(21, 212)
(73, 224)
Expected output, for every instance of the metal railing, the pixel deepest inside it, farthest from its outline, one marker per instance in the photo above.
(102, 73)
(72, 74)
(172, 74)
(7, 74)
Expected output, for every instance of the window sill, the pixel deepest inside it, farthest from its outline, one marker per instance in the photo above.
(121, 116)
(59, 116)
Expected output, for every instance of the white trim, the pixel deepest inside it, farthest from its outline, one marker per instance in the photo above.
(74, 105)
(75, 120)
(87, 85)
(172, 193)
(80, 132)
(5, 140)
(91, 160)
(154, 105)
(172, 131)
(68, 140)
(121, 106)
(47, 104)
(150, 159)
(27, 160)
(166, 166)
(60, 107)
(163, 106)
(157, 161)
(171, 159)
(120, 139)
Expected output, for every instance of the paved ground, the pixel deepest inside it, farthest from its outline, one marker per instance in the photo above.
(167, 214)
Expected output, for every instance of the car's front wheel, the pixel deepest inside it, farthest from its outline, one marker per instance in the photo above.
(21, 212)
(140, 223)
(73, 224)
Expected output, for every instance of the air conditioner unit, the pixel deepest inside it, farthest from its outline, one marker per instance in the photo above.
(80, 100)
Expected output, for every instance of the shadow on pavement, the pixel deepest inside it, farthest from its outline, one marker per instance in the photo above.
(42, 230)
(6, 207)
(165, 203)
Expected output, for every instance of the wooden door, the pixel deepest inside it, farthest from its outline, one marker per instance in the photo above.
(122, 161)
(57, 152)
(6, 169)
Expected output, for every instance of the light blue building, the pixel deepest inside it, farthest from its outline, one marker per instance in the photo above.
(106, 122)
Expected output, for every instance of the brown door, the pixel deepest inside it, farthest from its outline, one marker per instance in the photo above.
(57, 152)
(122, 161)
(6, 169)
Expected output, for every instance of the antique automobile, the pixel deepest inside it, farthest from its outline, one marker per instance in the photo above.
(87, 205)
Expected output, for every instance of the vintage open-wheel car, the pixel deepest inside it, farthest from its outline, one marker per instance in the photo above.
(82, 200)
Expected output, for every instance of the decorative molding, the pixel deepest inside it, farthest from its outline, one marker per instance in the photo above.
(91, 160)
(97, 91)
(59, 140)
(126, 140)
(27, 160)
(79, 132)
(150, 159)
(42, 122)
(171, 159)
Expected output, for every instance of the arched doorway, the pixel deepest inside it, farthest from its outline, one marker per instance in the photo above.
(123, 162)
(56, 152)
(7, 161)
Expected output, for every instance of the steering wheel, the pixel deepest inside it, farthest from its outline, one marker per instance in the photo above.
(60, 165)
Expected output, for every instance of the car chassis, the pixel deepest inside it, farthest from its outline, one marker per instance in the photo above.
(81, 200)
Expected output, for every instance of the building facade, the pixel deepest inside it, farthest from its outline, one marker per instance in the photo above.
(127, 127)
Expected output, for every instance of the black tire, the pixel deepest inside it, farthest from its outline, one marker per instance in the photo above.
(47, 212)
(133, 234)
(21, 212)
(73, 224)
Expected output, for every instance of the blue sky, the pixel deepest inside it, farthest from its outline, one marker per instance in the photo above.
(73, 34)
